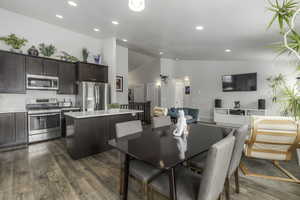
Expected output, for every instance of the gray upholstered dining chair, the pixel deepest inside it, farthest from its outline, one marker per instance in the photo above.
(161, 121)
(240, 135)
(138, 169)
(192, 186)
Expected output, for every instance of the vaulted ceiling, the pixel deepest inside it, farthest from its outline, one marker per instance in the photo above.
(167, 25)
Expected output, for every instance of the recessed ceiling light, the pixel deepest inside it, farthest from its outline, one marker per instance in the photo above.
(161, 53)
(124, 40)
(227, 50)
(72, 3)
(177, 59)
(96, 29)
(59, 16)
(115, 22)
(199, 28)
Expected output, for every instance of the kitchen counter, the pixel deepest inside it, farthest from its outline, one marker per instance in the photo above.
(12, 111)
(101, 113)
(88, 133)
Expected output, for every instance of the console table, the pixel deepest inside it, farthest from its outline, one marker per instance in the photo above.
(235, 116)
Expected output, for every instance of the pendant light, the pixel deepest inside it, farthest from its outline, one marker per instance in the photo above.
(136, 5)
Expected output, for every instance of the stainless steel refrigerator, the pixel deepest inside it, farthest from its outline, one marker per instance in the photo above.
(93, 96)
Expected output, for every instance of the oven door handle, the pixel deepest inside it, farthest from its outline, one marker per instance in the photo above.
(43, 115)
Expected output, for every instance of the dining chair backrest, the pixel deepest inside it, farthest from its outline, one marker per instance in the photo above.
(128, 128)
(161, 121)
(215, 172)
(273, 138)
(240, 138)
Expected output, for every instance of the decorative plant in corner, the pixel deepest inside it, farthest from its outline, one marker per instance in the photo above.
(15, 42)
(285, 13)
(47, 50)
(85, 54)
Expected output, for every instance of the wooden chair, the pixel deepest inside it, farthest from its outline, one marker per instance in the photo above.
(272, 138)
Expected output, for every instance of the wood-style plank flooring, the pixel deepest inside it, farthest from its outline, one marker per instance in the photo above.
(45, 171)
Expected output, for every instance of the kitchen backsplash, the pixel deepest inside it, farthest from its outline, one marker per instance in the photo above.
(18, 101)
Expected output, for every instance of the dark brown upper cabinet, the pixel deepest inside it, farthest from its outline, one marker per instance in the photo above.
(40, 66)
(92, 72)
(67, 78)
(12, 73)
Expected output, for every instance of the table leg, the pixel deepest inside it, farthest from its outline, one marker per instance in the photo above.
(172, 184)
(125, 177)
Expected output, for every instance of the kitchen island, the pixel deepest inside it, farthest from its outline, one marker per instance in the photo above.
(88, 133)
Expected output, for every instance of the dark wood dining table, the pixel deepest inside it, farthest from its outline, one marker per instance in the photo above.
(161, 149)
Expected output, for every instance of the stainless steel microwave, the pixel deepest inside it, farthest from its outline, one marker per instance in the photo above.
(36, 82)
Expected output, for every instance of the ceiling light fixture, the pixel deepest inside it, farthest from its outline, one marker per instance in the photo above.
(59, 16)
(115, 22)
(227, 50)
(72, 3)
(199, 28)
(96, 29)
(136, 5)
(124, 40)
(161, 53)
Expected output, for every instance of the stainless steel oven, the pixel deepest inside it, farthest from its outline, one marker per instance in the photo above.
(44, 125)
(36, 82)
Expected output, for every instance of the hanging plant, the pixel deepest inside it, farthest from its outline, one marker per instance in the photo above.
(15, 42)
(47, 50)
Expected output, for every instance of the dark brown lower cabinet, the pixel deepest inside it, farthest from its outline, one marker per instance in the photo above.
(13, 129)
(88, 136)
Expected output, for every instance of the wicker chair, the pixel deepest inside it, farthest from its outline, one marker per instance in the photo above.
(272, 138)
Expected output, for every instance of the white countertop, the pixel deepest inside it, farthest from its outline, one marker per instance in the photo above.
(12, 111)
(101, 113)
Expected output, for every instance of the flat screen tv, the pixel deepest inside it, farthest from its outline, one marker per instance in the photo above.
(239, 82)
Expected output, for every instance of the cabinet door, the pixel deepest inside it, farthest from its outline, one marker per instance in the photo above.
(12, 73)
(86, 72)
(34, 66)
(21, 128)
(7, 129)
(50, 67)
(101, 73)
(67, 78)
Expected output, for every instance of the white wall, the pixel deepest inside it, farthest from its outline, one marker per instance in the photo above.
(37, 32)
(110, 58)
(206, 83)
(122, 70)
(147, 73)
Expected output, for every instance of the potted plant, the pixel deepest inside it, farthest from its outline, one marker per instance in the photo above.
(114, 107)
(85, 54)
(15, 42)
(67, 57)
(285, 13)
(47, 50)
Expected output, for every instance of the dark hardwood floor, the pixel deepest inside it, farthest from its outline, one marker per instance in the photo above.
(45, 171)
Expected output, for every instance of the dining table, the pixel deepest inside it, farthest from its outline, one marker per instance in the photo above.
(161, 149)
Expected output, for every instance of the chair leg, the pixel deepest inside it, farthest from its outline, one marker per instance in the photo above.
(227, 188)
(145, 186)
(237, 181)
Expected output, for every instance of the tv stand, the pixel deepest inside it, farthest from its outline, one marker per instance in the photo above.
(235, 116)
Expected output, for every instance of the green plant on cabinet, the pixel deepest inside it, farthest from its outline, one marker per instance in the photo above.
(85, 54)
(47, 50)
(15, 42)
